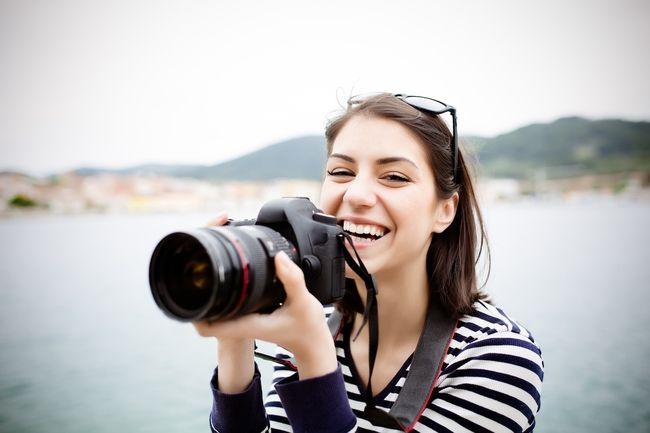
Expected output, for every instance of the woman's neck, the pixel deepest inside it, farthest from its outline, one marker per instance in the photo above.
(402, 302)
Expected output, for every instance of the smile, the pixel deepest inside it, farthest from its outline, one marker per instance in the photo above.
(363, 232)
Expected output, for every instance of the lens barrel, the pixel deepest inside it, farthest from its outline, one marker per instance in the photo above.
(218, 273)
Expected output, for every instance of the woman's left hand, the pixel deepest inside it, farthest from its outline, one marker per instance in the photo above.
(298, 325)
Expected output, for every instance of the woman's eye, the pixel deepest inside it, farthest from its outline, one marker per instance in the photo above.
(339, 172)
(396, 177)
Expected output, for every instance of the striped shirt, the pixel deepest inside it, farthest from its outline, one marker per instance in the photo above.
(490, 382)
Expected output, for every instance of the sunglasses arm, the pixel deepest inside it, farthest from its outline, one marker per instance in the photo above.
(454, 150)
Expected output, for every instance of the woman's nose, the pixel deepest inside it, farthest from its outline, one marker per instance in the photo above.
(360, 193)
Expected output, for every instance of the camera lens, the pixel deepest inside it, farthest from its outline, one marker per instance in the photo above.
(215, 273)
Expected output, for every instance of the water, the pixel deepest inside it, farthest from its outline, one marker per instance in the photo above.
(84, 348)
(579, 277)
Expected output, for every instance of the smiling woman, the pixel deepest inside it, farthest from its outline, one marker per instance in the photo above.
(401, 189)
(374, 179)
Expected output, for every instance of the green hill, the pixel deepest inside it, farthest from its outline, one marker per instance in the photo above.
(568, 146)
(563, 148)
(299, 158)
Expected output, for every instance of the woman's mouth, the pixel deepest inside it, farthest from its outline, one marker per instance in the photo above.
(364, 233)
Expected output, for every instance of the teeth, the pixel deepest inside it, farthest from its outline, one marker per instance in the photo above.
(358, 240)
(363, 229)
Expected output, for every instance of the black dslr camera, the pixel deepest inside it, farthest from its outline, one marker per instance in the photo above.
(224, 272)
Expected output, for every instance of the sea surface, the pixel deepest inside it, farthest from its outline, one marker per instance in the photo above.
(83, 347)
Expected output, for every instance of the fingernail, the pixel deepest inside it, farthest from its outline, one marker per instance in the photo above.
(217, 219)
(284, 257)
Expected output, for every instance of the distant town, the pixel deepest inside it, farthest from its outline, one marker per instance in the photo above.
(110, 193)
(568, 159)
(71, 193)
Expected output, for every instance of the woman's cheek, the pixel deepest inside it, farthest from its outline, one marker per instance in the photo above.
(322, 200)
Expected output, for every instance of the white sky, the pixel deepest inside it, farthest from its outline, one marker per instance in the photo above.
(122, 82)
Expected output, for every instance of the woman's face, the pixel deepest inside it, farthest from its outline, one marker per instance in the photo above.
(381, 189)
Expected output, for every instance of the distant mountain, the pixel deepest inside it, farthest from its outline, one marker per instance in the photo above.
(298, 158)
(568, 146)
(565, 147)
(146, 169)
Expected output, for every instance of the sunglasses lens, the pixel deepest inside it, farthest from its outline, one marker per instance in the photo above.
(426, 104)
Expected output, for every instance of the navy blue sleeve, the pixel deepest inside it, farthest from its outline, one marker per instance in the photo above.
(317, 405)
(238, 413)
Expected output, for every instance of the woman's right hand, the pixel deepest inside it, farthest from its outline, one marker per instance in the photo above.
(235, 356)
(298, 326)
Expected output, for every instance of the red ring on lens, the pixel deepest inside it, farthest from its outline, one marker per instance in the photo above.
(245, 270)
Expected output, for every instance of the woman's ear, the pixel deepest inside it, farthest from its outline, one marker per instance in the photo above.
(445, 213)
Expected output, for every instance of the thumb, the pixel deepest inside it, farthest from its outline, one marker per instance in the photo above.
(290, 275)
(220, 219)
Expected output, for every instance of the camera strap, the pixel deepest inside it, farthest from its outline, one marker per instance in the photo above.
(426, 364)
(422, 377)
(359, 268)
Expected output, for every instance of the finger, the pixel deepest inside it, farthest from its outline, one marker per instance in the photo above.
(290, 275)
(248, 326)
(219, 220)
(203, 329)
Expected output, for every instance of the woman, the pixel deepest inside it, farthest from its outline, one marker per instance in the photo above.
(399, 186)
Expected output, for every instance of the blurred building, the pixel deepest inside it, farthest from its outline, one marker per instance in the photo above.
(70, 193)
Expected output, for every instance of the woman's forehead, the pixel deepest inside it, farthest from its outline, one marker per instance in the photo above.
(378, 138)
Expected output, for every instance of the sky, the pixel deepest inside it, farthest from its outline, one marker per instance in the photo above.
(124, 82)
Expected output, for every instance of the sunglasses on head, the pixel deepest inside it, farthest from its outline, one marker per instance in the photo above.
(433, 106)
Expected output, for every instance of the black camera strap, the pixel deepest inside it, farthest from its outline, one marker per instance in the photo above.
(371, 290)
(422, 378)
(370, 317)
(426, 364)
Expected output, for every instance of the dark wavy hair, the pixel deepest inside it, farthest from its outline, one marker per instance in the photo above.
(453, 255)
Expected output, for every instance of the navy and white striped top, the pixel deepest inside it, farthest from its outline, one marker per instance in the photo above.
(490, 382)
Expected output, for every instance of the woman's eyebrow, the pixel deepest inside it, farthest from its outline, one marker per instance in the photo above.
(393, 159)
(342, 156)
(380, 161)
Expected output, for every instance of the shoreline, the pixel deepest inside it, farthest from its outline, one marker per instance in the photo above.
(143, 195)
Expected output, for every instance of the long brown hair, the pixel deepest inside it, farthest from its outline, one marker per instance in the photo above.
(453, 254)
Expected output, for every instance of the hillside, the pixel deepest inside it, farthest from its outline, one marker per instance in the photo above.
(568, 146)
(564, 148)
(298, 158)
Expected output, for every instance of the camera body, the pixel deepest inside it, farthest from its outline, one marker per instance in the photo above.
(223, 272)
(314, 235)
